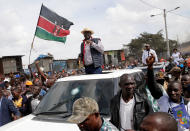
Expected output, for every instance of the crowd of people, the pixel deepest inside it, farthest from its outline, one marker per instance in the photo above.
(148, 108)
(161, 104)
(20, 93)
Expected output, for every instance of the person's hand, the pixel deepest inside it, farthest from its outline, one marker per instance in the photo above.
(150, 60)
(36, 62)
(89, 42)
(15, 117)
(79, 58)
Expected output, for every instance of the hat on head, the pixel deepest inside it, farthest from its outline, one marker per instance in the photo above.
(146, 44)
(29, 83)
(82, 108)
(87, 30)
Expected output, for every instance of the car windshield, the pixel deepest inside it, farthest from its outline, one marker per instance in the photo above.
(62, 95)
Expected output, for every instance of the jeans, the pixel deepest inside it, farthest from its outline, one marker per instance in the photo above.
(92, 70)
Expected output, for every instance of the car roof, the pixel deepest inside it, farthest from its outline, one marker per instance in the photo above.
(158, 65)
(105, 75)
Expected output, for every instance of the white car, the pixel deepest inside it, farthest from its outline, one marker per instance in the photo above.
(56, 106)
(157, 67)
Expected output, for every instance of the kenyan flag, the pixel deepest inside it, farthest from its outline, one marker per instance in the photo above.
(51, 26)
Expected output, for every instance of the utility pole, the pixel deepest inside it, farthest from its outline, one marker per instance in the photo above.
(166, 30)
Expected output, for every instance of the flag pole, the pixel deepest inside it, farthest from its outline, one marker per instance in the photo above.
(34, 36)
(31, 48)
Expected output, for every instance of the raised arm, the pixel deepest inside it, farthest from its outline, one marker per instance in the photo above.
(99, 47)
(152, 84)
(40, 71)
(31, 74)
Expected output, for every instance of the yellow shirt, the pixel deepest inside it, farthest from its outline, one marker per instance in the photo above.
(18, 103)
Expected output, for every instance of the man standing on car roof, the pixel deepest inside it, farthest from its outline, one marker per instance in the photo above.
(92, 52)
(147, 53)
(86, 115)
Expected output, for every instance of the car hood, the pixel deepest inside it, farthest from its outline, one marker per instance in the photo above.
(28, 124)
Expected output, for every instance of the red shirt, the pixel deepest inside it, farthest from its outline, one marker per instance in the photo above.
(188, 62)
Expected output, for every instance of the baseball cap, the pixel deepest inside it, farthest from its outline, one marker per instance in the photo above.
(82, 108)
(29, 83)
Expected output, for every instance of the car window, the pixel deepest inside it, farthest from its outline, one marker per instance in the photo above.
(62, 95)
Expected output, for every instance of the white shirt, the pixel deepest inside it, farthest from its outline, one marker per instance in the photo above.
(34, 104)
(87, 56)
(146, 54)
(126, 114)
(175, 57)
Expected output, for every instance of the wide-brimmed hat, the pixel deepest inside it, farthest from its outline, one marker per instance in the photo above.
(82, 108)
(87, 30)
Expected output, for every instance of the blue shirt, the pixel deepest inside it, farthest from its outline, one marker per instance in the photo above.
(1, 101)
(166, 105)
(42, 92)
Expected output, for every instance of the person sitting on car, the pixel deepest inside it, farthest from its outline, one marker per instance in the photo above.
(86, 115)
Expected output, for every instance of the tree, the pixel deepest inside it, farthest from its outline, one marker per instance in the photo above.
(156, 42)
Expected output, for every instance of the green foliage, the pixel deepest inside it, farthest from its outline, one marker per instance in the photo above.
(156, 42)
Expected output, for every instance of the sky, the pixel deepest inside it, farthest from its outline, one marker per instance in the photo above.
(116, 22)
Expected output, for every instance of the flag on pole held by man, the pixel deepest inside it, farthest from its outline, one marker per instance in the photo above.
(51, 26)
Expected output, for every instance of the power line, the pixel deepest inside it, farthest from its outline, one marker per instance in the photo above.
(180, 15)
(150, 5)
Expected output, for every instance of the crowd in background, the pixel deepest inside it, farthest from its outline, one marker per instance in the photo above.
(26, 91)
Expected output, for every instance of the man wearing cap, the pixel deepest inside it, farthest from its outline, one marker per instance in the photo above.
(28, 89)
(86, 115)
(147, 53)
(92, 52)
